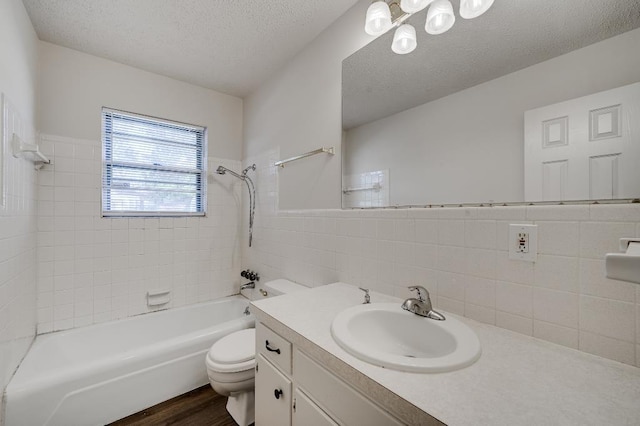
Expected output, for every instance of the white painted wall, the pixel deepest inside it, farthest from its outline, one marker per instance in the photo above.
(74, 87)
(299, 110)
(468, 147)
(18, 56)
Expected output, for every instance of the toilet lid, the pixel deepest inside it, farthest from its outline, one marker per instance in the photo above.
(234, 348)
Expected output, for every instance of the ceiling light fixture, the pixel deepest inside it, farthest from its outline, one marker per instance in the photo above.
(383, 15)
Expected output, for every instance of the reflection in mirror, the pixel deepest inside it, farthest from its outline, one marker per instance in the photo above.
(536, 101)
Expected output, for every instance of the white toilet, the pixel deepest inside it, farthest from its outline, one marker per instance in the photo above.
(231, 360)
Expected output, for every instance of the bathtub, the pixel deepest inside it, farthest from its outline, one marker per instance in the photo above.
(101, 373)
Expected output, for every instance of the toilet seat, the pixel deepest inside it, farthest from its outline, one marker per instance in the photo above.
(233, 353)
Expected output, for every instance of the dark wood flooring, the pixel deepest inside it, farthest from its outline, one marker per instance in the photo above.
(200, 407)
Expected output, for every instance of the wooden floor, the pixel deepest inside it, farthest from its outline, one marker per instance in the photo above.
(200, 407)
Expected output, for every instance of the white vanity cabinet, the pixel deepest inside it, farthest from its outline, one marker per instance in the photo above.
(307, 413)
(293, 389)
(273, 395)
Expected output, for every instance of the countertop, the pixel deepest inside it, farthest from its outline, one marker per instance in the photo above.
(518, 380)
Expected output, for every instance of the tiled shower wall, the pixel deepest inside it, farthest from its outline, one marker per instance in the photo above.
(17, 248)
(460, 255)
(93, 269)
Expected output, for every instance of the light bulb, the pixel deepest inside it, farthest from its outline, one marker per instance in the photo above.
(470, 9)
(378, 19)
(414, 6)
(404, 40)
(440, 17)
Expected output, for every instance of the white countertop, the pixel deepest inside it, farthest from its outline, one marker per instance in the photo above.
(518, 380)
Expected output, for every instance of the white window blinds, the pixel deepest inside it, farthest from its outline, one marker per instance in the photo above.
(152, 167)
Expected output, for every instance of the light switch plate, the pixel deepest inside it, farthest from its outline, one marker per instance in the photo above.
(523, 242)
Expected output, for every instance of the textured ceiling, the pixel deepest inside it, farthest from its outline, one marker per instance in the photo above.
(512, 35)
(231, 46)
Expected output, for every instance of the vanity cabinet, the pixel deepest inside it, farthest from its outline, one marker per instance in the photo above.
(273, 394)
(307, 413)
(293, 389)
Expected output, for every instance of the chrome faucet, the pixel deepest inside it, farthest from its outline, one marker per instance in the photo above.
(422, 305)
(250, 275)
(248, 285)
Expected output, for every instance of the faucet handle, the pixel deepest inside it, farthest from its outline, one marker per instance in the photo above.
(367, 298)
(423, 294)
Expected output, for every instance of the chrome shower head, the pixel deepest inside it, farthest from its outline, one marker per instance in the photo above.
(221, 170)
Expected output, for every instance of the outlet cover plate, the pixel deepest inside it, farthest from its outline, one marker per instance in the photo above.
(515, 253)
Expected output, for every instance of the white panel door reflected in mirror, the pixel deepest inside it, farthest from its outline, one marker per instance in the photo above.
(584, 149)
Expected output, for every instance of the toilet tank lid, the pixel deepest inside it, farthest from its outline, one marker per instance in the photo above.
(234, 348)
(282, 286)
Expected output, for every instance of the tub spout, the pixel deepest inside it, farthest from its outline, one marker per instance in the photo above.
(248, 285)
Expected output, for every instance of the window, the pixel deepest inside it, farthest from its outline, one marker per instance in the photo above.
(152, 167)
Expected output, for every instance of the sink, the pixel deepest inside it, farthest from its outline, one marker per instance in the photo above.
(384, 334)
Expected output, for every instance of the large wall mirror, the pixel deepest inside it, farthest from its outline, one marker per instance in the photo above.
(532, 101)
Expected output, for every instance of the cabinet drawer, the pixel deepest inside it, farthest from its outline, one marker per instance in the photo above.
(306, 413)
(273, 395)
(343, 403)
(273, 347)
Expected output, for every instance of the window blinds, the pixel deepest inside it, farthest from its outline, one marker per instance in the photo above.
(152, 167)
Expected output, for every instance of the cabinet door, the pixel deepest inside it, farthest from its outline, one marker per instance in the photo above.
(343, 403)
(273, 395)
(306, 413)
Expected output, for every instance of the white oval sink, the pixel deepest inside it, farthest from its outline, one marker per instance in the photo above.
(384, 334)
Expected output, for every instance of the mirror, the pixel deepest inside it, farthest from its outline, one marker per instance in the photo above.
(532, 101)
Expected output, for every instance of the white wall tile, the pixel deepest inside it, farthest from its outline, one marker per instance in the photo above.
(451, 259)
(559, 238)
(593, 282)
(451, 305)
(608, 317)
(480, 263)
(515, 323)
(600, 238)
(426, 231)
(557, 272)
(615, 212)
(514, 298)
(554, 333)
(555, 307)
(426, 255)
(480, 234)
(480, 313)
(451, 232)
(481, 292)
(102, 267)
(452, 286)
(515, 271)
(558, 213)
(607, 347)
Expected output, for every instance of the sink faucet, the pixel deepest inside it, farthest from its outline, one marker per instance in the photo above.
(422, 305)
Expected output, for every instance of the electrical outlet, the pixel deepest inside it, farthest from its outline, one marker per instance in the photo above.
(523, 242)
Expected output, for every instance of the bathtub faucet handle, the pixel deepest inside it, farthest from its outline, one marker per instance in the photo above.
(250, 275)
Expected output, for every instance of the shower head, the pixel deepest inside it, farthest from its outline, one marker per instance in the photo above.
(221, 170)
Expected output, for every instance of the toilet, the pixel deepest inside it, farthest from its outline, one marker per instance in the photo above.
(231, 361)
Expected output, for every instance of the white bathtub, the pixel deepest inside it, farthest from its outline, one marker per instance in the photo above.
(101, 373)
